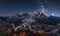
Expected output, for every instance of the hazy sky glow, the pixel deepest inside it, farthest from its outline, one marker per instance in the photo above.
(15, 6)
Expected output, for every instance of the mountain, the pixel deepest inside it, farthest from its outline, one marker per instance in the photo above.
(52, 20)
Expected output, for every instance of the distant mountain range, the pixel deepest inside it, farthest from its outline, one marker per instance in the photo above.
(52, 20)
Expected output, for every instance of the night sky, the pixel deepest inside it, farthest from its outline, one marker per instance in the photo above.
(16, 6)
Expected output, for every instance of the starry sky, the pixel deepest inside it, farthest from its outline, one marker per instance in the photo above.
(16, 6)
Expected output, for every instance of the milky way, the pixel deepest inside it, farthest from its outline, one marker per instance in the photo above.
(15, 6)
